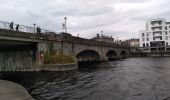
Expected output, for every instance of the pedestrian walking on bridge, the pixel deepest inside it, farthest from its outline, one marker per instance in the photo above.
(11, 26)
(17, 27)
(38, 30)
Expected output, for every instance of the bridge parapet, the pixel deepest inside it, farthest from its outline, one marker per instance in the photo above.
(22, 28)
(72, 39)
(8, 33)
(51, 36)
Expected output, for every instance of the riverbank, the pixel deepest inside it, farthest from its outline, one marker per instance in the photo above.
(44, 67)
(59, 67)
(13, 91)
(156, 54)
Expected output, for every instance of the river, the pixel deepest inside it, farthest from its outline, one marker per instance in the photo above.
(125, 79)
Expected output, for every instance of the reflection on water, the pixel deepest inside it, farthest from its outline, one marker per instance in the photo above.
(126, 79)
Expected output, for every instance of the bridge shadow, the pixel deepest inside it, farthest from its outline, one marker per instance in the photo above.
(124, 54)
(88, 64)
(111, 55)
(88, 56)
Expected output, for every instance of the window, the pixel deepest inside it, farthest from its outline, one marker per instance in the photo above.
(144, 45)
(143, 39)
(143, 34)
(166, 43)
(166, 33)
(147, 34)
(165, 27)
(147, 39)
(147, 45)
(166, 37)
(160, 38)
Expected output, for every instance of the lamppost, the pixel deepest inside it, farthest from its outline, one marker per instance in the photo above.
(65, 24)
(34, 27)
(102, 35)
(102, 43)
(117, 39)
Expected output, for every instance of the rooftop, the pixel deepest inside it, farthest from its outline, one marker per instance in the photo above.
(102, 36)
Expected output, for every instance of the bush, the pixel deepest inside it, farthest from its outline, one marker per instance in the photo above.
(47, 57)
(58, 58)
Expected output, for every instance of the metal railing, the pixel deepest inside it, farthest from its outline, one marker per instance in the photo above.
(21, 28)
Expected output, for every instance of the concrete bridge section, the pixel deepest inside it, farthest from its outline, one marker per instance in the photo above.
(19, 50)
(24, 51)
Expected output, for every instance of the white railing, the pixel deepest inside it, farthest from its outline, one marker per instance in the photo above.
(21, 28)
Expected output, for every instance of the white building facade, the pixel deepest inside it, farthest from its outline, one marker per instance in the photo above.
(156, 37)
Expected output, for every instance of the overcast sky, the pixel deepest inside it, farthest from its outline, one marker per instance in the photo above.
(122, 18)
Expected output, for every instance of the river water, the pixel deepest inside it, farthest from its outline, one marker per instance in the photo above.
(126, 79)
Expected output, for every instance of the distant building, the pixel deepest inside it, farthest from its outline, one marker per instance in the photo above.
(126, 42)
(156, 37)
(134, 42)
(119, 41)
(130, 42)
(103, 38)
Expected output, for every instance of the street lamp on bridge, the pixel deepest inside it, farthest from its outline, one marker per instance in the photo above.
(34, 27)
(65, 24)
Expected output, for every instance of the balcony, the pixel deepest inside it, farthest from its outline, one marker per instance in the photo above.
(157, 44)
(156, 29)
(156, 26)
(157, 38)
(156, 23)
(156, 34)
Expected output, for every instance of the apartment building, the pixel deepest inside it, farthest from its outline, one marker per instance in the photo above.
(156, 36)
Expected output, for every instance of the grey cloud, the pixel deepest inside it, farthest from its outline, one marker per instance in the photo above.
(122, 18)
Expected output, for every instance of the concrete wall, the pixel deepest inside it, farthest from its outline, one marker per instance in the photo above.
(17, 60)
(41, 48)
(23, 60)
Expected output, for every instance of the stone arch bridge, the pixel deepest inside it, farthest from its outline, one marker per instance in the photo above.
(90, 50)
(23, 48)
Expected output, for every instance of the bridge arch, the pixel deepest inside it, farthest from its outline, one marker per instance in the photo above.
(111, 55)
(88, 55)
(123, 54)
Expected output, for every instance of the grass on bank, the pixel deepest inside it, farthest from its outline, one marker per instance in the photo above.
(58, 58)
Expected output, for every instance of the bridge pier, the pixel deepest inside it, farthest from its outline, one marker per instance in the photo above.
(41, 48)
